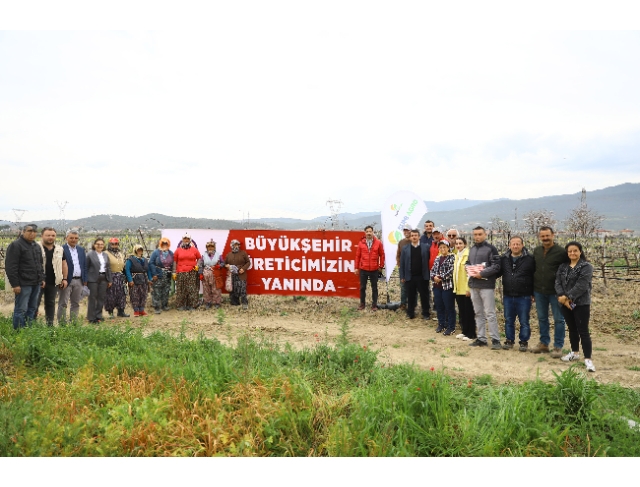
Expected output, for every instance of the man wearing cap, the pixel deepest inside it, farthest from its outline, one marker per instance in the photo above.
(160, 267)
(76, 259)
(25, 271)
(401, 244)
(116, 296)
(237, 262)
(55, 271)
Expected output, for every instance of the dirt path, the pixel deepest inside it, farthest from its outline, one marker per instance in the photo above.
(399, 340)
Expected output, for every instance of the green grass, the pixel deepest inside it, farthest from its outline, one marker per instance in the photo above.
(634, 367)
(112, 391)
(2, 284)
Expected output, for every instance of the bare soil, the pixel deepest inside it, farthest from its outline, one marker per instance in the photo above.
(303, 323)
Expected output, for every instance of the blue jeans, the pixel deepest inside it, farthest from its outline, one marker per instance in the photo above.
(519, 306)
(445, 308)
(26, 305)
(542, 308)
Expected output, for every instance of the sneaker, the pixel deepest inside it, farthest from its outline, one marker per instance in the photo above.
(478, 343)
(557, 352)
(508, 345)
(216, 306)
(571, 357)
(143, 313)
(374, 308)
(540, 348)
(439, 329)
(246, 306)
(589, 364)
(466, 339)
(157, 311)
(136, 313)
(435, 318)
(461, 335)
(524, 346)
(448, 333)
(207, 306)
(411, 317)
(166, 308)
(182, 308)
(122, 314)
(403, 307)
(361, 307)
(496, 345)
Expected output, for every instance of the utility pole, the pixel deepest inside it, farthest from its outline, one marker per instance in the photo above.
(334, 206)
(63, 221)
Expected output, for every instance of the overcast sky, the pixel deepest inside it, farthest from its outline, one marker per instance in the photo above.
(274, 110)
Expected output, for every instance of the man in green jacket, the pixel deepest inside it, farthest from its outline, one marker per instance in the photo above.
(548, 257)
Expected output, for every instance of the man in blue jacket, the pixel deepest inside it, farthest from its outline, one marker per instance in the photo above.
(414, 274)
(77, 264)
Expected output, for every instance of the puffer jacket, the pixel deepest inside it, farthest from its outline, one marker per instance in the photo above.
(517, 279)
(575, 283)
(23, 263)
(369, 260)
(487, 254)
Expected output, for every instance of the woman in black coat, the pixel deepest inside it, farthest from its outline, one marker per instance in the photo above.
(573, 288)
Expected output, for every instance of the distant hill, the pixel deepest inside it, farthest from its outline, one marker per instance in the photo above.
(620, 206)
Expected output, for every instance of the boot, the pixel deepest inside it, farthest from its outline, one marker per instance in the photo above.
(540, 348)
(122, 314)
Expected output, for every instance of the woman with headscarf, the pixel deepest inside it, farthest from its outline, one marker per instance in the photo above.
(138, 276)
(211, 275)
(98, 280)
(116, 294)
(185, 264)
(161, 268)
(237, 262)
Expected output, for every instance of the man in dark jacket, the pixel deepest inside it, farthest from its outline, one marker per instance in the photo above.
(401, 244)
(516, 268)
(548, 257)
(25, 272)
(369, 261)
(482, 268)
(414, 274)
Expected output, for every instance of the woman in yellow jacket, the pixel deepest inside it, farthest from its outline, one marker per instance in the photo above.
(466, 315)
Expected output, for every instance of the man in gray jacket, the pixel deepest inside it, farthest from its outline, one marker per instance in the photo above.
(482, 268)
(25, 271)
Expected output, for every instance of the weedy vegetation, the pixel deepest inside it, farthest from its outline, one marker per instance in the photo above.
(116, 391)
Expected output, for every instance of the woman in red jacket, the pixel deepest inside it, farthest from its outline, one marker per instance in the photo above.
(185, 264)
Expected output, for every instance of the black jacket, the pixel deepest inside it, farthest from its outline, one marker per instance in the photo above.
(575, 283)
(23, 263)
(517, 279)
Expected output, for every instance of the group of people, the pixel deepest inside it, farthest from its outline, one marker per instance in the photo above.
(42, 269)
(552, 277)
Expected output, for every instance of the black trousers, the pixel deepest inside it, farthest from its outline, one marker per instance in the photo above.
(49, 292)
(417, 285)
(577, 321)
(466, 315)
(373, 277)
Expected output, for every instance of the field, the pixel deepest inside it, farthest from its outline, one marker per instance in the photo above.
(312, 377)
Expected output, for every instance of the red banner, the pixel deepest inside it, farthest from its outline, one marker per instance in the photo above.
(300, 262)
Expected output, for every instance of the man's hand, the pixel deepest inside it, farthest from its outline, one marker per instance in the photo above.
(108, 285)
(562, 299)
(64, 284)
(17, 290)
(155, 278)
(357, 272)
(43, 284)
(402, 280)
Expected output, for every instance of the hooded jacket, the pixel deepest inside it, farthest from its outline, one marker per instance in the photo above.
(517, 278)
(369, 260)
(484, 253)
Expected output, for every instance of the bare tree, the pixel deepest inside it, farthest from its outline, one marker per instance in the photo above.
(501, 229)
(535, 219)
(582, 220)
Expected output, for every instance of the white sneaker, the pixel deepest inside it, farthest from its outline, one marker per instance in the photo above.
(466, 339)
(461, 335)
(571, 357)
(589, 364)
